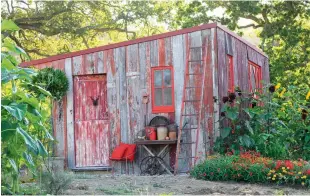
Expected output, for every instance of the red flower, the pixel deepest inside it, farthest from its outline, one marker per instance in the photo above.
(278, 164)
(307, 172)
(289, 164)
(204, 174)
(251, 173)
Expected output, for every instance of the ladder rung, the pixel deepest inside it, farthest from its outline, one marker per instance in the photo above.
(188, 143)
(191, 74)
(195, 60)
(195, 47)
(193, 87)
(186, 157)
(188, 129)
(191, 100)
(189, 114)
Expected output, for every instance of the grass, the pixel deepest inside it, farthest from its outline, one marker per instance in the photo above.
(118, 191)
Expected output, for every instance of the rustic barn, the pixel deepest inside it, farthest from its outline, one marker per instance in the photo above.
(184, 74)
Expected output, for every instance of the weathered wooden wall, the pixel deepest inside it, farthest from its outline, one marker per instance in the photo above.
(128, 73)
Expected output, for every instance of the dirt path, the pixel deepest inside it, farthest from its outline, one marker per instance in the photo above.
(168, 185)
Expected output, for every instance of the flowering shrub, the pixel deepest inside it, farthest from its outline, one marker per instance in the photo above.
(251, 167)
(290, 172)
(275, 123)
(231, 168)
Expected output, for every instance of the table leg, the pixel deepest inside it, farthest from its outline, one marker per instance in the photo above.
(150, 152)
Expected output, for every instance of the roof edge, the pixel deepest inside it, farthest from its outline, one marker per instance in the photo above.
(139, 40)
(235, 35)
(116, 45)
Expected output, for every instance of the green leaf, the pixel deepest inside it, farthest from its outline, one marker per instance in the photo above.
(28, 158)
(27, 99)
(7, 129)
(245, 140)
(42, 90)
(8, 25)
(41, 148)
(247, 123)
(7, 64)
(232, 113)
(33, 111)
(249, 112)
(47, 134)
(225, 132)
(13, 164)
(27, 138)
(307, 138)
(16, 110)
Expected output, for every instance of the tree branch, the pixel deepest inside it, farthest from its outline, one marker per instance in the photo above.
(249, 25)
(85, 41)
(36, 51)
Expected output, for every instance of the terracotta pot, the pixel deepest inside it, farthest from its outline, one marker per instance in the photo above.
(173, 128)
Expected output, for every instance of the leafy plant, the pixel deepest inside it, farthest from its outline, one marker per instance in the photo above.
(56, 182)
(52, 80)
(274, 123)
(22, 129)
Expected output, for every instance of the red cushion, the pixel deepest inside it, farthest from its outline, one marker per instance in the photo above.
(118, 152)
(130, 152)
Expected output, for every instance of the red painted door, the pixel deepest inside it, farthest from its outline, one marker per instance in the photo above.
(92, 136)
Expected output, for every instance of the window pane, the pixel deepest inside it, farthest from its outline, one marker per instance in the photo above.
(158, 78)
(167, 96)
(158, 97)
(167, 77)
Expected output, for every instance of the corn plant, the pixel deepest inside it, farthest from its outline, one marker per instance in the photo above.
(22, 123)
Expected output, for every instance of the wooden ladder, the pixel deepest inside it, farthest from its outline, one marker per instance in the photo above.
(191, 121)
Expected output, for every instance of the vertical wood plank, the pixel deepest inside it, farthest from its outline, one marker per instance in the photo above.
(77, 65)
(228, 44)
(168, 51)
(132, 58)
(215, 71)
(161, 52)
(133, 91)
(154, 53)
(70, 119)
(120, 62)
(113, 98)
(179, 54)
(101, 67)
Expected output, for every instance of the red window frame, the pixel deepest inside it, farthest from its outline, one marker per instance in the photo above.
(230, 74)
(163, 108)
(257, 75)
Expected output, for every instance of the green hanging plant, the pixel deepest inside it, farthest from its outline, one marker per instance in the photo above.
(52, 80)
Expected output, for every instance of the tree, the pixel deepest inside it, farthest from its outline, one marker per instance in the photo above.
(55, 27)
(283, 27)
